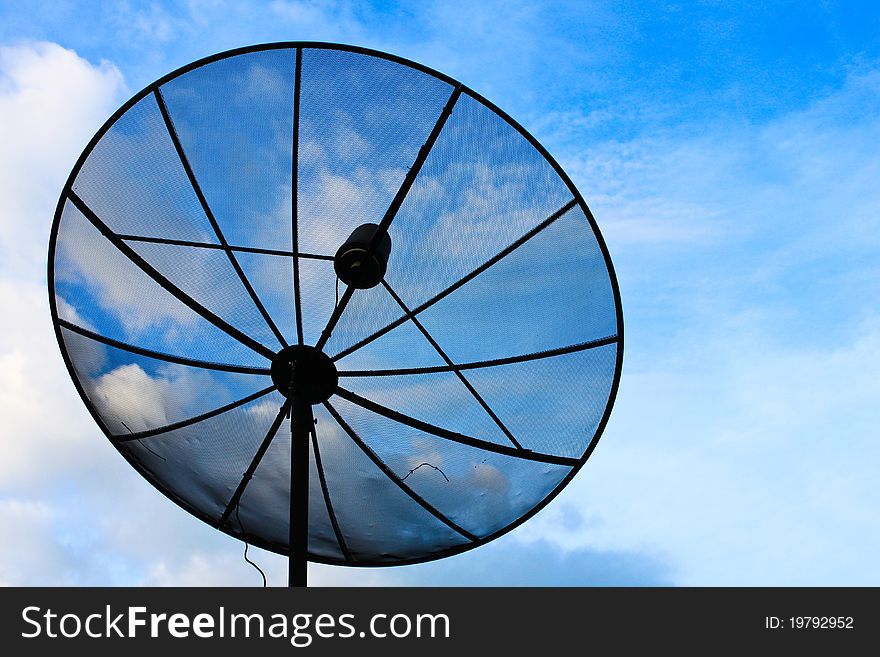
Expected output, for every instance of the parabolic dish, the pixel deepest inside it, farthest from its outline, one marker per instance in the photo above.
(194, 241)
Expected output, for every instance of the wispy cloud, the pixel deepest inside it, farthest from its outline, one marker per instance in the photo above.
(745, 411)
(508, 562)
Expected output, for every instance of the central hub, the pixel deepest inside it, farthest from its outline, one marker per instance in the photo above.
(304, 373)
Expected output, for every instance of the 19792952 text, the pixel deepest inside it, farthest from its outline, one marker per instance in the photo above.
(809, 623)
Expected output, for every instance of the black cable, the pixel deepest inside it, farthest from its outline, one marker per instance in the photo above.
(246, 546)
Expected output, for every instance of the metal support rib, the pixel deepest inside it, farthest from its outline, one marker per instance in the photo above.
(220, 247)
(297, 81)
(194, 420)
(169, 124)
(326, 492)
(388, 472)
(440, 432)
(297, 562)
(334, 317)
(255, 462)
(445, 357)
(170, 287)
(158, 355)
(394, 207)
(452, 288)
(495, 362)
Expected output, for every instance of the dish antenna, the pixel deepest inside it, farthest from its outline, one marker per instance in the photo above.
(454, 386)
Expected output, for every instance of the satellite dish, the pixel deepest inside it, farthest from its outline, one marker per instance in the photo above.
(335, 304)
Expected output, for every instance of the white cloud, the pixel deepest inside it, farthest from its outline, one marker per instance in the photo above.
(299, 12)
(321, 575)
(68, 312)
(228, 568)
(51, 102)
(130, 399)
(152, 22)
(46, 429)
(316, 16)
(223, 569)
(33, 555)
(265, 410)
(141, 401)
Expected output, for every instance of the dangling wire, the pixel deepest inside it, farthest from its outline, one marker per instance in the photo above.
(337, 292)
(246, 546)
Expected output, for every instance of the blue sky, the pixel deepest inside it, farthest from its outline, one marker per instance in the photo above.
(728, 154)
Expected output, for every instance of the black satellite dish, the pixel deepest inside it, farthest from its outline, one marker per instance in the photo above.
(335, 304)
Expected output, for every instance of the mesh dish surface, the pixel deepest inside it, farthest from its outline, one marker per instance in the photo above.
(195, 239)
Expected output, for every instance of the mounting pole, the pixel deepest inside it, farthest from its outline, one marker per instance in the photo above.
(301, 428)
(306, 376)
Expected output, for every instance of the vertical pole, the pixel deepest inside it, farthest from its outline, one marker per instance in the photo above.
(297, 562)
(302, 422)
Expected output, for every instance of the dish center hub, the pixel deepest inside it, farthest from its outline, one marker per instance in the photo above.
(304, 373)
